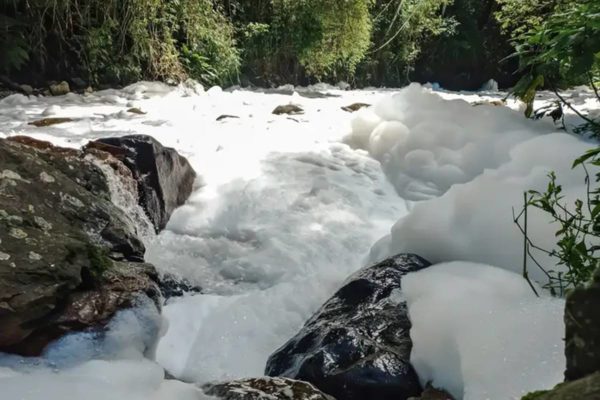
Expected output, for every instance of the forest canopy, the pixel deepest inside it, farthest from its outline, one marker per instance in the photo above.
(459, 43)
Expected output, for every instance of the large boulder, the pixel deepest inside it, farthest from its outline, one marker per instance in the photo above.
(265, 388)
(165, 178)
(582, 323)
(357, 346)
(69, 258)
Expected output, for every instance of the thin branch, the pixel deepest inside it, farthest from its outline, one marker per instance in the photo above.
(573, 108)
(591, 78)
(526, 249)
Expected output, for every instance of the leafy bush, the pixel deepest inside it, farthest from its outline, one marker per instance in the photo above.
(517, 17)
(12, 39)
(295, 40)
(121, 41)
(578, 236)
(562, 49)
(327, 37)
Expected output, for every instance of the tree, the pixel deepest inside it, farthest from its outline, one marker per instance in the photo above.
(562, 49)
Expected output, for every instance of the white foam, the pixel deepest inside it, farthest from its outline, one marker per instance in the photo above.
(481, 333)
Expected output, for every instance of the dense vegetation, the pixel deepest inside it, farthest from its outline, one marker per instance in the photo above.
(459, 43)
(557, 47)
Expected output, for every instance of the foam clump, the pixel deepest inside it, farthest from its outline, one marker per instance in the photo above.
(481, 333)
(474, 221)
(427, 144)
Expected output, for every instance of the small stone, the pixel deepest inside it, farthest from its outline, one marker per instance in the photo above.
(355, 107)
(8, 174)
(135, 110)
(49, 122)
(74, 201)
(47, 178)
(13, 265)
(26, 89)
(4, 256)
(34, 256)
(290, 109)
(17, 233)
(225, 116)
(42, 223)
(60, 89)
(14, 220)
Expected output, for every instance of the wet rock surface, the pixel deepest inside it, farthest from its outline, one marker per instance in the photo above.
(266, 388)
(587, 388)
(357, 346)
(582, 323)
(69, 258)
(165, 178)
(172, 286)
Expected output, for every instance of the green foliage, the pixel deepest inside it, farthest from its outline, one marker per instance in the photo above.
(471, 53)
(517, 17)
(12, 40)
(207, 46)
(121, 41)
(535, 395)
(561, 49)
(368, 42)
(327, 36)
(578, 232)
(291, 40)
(401, 28)
(99, 261)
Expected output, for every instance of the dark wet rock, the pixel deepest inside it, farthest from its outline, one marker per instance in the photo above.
(79, 83)
(265, 388)
(135, 110)
(355, 107)
(290, 109)
(226, 116)
(69, 258)
(59, 89)
(165, 178)
(26, 89)
(44, 122)
(582, 324)
(587, 388)
(172, 286)
(117, 152)
(357, 346)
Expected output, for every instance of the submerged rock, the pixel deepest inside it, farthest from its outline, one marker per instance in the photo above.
(69, 258)
(265, 389)
(290, 109)
(357, 346)
(165, 178)
(172, 286)
(355, 107)
(49, 122)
